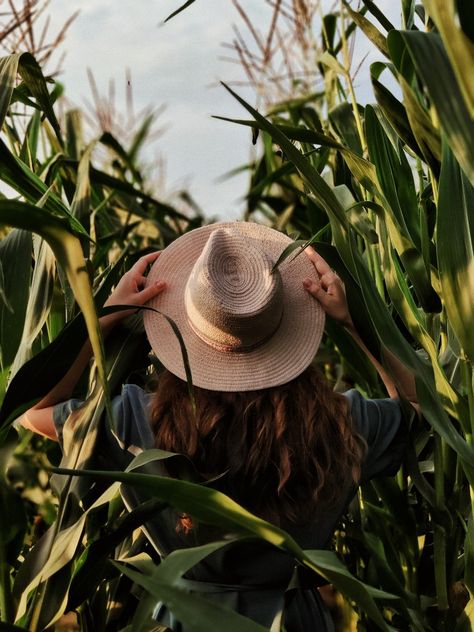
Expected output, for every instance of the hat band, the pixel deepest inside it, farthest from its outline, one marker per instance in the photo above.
(242, 348)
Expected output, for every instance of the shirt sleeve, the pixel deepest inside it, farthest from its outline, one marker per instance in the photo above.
(61, 413)
(129, 432)
(381, 423)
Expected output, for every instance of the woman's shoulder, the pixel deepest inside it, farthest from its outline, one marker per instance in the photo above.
(367, 413)
(131, 418)
(383, 426)
(129, 425)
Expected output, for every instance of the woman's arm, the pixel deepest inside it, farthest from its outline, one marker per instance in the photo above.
(129, 291)
(330, 293)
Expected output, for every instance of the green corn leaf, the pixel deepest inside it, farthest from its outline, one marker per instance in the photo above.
(458, 45)
(30, 71)
(100, 177)
(394, 111)
(378, 14)
(400, 199)
(455, 226)
(33, 77)
(8, 73)
(427, 52)
(464, 622)
(80, 205)
(371, 31)
(181, 8)
(426, 135)
(195, 612)
(138, 141)
(110, 141)
(15, 258)
(415, 322)
(22, 179)
(213, 507)
(39, 301)
(53, 553)
(29, 149)
(43, 371)
(343, 120)
(9, 627)
(362, 169)
(68, 251)
(74, 135)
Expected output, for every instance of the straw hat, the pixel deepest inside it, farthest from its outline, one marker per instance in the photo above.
(244, 327)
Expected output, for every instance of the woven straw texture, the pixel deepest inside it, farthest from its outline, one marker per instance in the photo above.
(298, 318)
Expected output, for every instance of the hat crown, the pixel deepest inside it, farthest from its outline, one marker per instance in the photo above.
(232, 298)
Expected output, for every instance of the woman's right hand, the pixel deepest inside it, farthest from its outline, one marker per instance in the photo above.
(132, 289)
(329, 290)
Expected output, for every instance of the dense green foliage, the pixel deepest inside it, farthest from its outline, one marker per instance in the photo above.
(386, 194)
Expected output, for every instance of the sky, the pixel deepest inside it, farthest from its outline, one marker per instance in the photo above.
(177, 65)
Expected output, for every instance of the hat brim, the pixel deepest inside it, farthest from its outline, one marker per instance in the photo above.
(277, 361)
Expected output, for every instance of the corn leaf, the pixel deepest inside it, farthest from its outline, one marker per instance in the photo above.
(427, 52)
(371, 31)
(39, 301)
(22, 179)
(213, 507)
(455, 225)
(8, 73)
(459, 47)
(68, 251)
(15, 258)
(195, 612)
(32, 75)
(181, 8)
(396, 181)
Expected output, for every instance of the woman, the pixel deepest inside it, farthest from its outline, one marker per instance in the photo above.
(262, 421)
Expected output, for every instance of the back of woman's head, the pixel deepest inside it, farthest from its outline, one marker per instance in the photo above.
(284, 450)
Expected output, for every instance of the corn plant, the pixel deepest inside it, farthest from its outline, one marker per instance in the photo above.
(385, 194)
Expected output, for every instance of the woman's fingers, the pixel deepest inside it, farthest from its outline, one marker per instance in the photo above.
(151, 291)
(141, 265)
(321, 265)
(330, 278)
(316, 290)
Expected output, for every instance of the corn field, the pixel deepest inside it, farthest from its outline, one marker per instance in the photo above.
(384, 192)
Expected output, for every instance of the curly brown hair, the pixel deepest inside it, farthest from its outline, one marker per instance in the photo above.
(284, 450)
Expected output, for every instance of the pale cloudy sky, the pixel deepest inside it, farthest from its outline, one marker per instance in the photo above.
(176, 64)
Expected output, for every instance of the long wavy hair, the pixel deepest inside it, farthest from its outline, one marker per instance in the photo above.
(284, 450)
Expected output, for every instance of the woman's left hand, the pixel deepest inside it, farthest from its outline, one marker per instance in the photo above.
(328, 289)
(131, 289)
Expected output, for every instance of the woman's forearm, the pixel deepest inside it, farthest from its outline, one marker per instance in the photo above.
(65, 387)
(403, 381)
(385, 377)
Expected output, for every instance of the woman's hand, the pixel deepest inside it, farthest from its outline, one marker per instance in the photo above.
(131, 289)
(329, 291)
